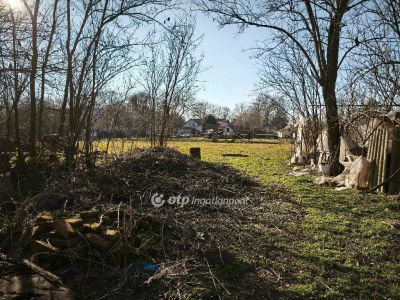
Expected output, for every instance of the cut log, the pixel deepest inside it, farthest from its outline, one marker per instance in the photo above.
(64, 229)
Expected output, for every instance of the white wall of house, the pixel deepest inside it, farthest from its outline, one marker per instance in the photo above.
(193, 124)
(287, 133)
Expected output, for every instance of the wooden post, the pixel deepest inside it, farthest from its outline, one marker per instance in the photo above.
(394, 185)
(195, 153)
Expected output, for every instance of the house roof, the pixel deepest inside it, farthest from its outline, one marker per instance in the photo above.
(198, 121)
(186, 129)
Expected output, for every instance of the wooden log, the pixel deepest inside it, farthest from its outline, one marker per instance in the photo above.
(195, 153)
(394, 185)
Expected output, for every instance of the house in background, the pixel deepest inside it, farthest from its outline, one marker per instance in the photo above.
(194, 127)
(224, 127)
(191, 127)
(286, 132)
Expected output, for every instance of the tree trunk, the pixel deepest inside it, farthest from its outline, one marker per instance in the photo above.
(329, 88)
(164, 123)
(63, 111)
(44, 67)
(8, 123)
(153, 122)
(332, 120)
(32, 83)
(17, 96)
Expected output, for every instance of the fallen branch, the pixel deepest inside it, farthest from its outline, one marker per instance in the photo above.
(42, 272)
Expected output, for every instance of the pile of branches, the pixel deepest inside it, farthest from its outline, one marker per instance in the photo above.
(118, 194)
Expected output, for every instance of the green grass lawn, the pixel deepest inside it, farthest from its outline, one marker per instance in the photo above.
(341, 246)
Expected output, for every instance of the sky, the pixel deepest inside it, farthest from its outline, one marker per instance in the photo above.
(231, 74)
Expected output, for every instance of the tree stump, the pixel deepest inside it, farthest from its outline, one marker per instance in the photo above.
(195, 153)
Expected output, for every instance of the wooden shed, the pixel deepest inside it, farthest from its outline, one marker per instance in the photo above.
(384, 153)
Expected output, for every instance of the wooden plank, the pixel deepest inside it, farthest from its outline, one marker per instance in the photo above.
(379, 157)
(373, 158)
(369, 156)
(384, 158)
(394, 185)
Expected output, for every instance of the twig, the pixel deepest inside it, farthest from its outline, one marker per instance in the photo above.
(214, 277)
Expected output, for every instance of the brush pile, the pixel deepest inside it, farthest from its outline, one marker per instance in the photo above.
(99, 233)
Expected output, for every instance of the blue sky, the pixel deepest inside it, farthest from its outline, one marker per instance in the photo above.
(232, 75)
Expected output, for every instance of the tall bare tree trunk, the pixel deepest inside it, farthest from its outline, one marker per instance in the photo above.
(164, 123)
(329, 81)
(153, 122)
(9, 120)
(44, 68)
(332, 119)
(33, 72)
(17, 96)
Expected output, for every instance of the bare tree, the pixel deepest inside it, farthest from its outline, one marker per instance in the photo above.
(181, 69)
(286, 73)
(170, 73)
(315, 28)
(33, 14)
(152, 79)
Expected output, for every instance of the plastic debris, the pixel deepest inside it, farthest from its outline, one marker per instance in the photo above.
(151, 267)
